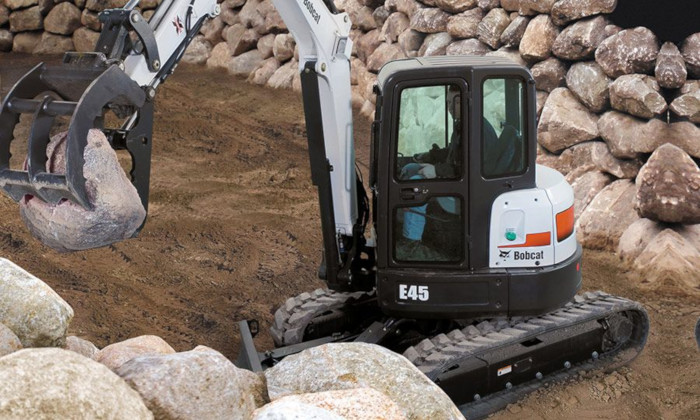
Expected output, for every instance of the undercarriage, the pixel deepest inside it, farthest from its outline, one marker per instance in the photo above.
(482, 364)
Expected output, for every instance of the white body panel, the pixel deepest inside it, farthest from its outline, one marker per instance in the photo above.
(323, 38)
(168, 37)
(523, 228)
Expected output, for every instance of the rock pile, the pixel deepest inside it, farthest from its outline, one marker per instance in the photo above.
(44, 374)
(608, 97)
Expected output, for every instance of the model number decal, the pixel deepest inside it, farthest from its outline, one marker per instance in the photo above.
(413, 292)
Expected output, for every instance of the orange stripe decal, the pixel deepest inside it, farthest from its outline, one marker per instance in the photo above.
(533, 239)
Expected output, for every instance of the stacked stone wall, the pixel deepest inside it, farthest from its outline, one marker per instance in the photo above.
(618, 108)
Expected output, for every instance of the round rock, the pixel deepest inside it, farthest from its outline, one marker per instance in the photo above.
(629, 51)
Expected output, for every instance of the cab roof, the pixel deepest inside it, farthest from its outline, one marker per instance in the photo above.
(464, 62)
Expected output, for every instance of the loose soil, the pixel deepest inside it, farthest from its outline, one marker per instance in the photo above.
(233, 230)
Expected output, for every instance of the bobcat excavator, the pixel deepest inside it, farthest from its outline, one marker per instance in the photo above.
(467, 263)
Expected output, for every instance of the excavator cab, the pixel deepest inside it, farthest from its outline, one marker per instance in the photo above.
(452, 135)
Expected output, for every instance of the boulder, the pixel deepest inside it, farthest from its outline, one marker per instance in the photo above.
(4, 15)
(81, 346)
(197, 384)
(586, 187)
(380, 15)
(487, 5)
(283, 47)
(212, 30)
(266, 45)
(342, 366)
(350, 404)
(273, 22)
(540, 98)
(565, 11)
(283, 77)
(668, 187)
(629, 51)
(549, 74)
(363, 19)
(468, 47)
(9, 342)
(687, 105)
(250, 14)
(100, 5)
(669, 258)
(638, 95)
(63, 19)
(25, 42)
(5, 40)
(264, 71)
(395, 25)
(240, 39)
(533, 7)
(576, 160)
(220, 56)
(85, 40)
(31, 309)
(20, 4)
(565, 122)
(436, 44)
(56, 383)
(579, 41)
(367, 43)
(116, 210)
(690, 49)
(636, 238)
(383, 54)
(198, 51)
(538, 38)
(90, 20)
(116, 354)
(456, 6)
(53, 44)
(430, 20)
(670, 68)
(26, 20)
(410, 42)
(513, 34)
(607, 217)
(407, 7)
(244, 64)
(606, 162)
(589, 83)
(491, 27)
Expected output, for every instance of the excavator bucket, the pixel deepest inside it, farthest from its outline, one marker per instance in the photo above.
(83, 87)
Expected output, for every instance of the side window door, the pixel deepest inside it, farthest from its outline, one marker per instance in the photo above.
(428, 198)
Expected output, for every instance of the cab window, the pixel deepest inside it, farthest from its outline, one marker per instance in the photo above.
(504, 145)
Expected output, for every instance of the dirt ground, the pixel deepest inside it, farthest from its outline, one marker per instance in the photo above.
(233, 230)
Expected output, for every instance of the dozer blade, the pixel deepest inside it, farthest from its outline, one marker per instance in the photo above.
(84, 86)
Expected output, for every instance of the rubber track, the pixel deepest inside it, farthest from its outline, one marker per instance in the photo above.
(292, 318)
(436, 355)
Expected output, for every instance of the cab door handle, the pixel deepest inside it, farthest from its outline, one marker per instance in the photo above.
(412, 193)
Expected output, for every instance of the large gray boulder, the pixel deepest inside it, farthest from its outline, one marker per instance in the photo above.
(197, 52)
(63, 19)
(343, 366)
(197, 384)
(9, 342)
(45, 384)
(491, 27)
(429, 20)
(579, 41)
(607, 217)
(687, 105)
(116, 207)
(691, 54)
(350, 404)
(244, 64)
(565, 122)
(513, 34)
(383, 54)
(589, 83)
(586, 187)
(31, 309)
(537, 41)
(565, 11)
(629, 51)
(411, 41)
(549, 74)
(436, 44)
(670, 68)
(465, 24)
(264, 71)
(636, 238)
(395, 25)
(668, 187)
(116, 354)
(638, 95)
(26, 20)
(604, 160)
(367, 43)
(85, 40)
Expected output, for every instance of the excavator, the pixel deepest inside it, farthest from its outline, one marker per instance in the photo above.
(464, 258)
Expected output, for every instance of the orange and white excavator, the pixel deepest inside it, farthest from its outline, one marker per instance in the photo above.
(467, 263)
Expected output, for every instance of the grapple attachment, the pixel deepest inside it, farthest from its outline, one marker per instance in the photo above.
(85, 87)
